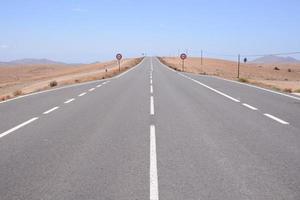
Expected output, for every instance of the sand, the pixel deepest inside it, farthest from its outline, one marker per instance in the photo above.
(259, 74)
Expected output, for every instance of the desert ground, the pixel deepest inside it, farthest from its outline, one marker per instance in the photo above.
(286, 78)
(23, 79)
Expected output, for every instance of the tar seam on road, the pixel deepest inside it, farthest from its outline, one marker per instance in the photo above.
(50, 110)
(17, 127)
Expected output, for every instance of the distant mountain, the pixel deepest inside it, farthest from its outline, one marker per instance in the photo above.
(275, 59)
(31, 61)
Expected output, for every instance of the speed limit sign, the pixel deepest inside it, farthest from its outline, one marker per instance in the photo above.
(119, 56)
(183, 56)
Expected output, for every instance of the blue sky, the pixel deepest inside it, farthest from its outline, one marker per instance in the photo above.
(87, 31)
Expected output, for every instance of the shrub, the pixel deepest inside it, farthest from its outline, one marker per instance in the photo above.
(288, 90)
(53, 84)
(17, 93)
(289, 70)
(276, 68)
(275, 88)
(77, 81)
(297, 90)
(243, 80)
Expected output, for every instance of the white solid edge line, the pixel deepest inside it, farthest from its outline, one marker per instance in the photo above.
(17, 127)
(52, 90)
(50, 110)
(122, 74)
(153, 165)
(208, 87)
(249, 85)
(151, 106)
(276, 119)
(257, 87)
(92, 89)
(249, 106)
(69, 101)
(84, 93)
(70, 86)
(151, 89)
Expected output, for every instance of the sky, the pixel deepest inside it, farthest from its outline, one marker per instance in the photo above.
(81, 31)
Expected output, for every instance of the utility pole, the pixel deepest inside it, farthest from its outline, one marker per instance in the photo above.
(239, 63)
(201, 57)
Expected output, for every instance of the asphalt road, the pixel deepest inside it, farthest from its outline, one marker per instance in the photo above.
(151, 133)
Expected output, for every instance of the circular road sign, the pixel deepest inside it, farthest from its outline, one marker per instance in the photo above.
(119, 56)
(183, 56)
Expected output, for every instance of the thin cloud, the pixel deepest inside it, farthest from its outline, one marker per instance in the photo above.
(79, 10)
(3, 46)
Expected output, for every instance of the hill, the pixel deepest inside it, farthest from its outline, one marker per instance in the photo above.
(275, 59)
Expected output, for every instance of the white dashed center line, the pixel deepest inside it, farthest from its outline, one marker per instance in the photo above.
(99, 85)
(82, 94)
(51, 110)
(248, 106)
(151, 89)
(276, 119)
(92, 89)
(151, 81)
(69, 101)
(153, 165)
(151, 106)
(17, 127)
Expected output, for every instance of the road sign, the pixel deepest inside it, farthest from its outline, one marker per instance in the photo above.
(183, 56)
(119, 56)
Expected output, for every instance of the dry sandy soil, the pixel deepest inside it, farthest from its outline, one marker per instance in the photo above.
(24, 79)
(259, 74)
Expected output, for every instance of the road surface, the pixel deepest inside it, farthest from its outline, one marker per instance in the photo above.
(151, 133)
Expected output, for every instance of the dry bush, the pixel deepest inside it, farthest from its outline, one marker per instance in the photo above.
(243, 80)
(297, 90)
(17, 93)
(53, 83)
(289, 70)
(288, 90)
(276, 68)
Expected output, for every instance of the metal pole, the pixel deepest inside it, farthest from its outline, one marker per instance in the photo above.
(183, 65)
(201, 57)
(239, 62)
(119, 65)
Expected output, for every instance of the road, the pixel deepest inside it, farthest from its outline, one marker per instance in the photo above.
(151, 133)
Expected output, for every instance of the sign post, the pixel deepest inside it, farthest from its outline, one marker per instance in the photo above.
(119, 57)
(183, 56)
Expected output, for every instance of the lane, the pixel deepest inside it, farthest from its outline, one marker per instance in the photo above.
(280, 106)
(17, 111)
(210, 147)
(94, 148)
